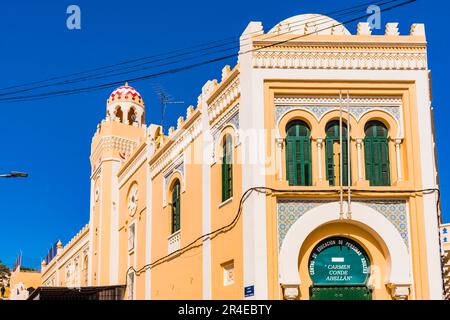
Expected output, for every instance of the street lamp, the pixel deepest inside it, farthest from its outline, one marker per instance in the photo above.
(14, 174)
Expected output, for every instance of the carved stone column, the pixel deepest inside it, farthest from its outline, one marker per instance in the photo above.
(397, 142)
(319, 142)
(279, 142)
(359, 142)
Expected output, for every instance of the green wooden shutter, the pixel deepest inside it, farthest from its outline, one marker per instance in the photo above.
(224, 179)
(227, 169)
(368, 155)
(345, 162)
(291, 173)
(329, 161)
(376, 150)
(176, 209)
(298, 154)
(307, 179)
(385, 174)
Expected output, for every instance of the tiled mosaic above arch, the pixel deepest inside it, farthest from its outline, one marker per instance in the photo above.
(320, 111)
(393, 210)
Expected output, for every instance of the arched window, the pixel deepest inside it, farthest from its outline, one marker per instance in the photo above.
(175, 214)
(131, 116)
(119, 113)
(333, 153)
(298, 154)
(227, 168)
(376, 152)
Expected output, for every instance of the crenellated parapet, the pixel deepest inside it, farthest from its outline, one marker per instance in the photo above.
(299, 43)
(224, 94)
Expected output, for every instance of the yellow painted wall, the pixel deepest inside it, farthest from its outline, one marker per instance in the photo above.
(179, 277)
(228, 246)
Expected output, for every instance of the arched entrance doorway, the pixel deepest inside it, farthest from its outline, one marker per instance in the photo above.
(339, 269)
(393, 253)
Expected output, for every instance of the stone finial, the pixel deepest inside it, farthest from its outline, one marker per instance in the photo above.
(59, 244)
(189, 111)
(418, 29)
(43, 263)
(364, 29)
(209, 87)
(225, 71)
(180, 122)
(171, 131)
(392, 29)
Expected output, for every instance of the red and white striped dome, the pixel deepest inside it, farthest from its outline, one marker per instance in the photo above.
(126, 93)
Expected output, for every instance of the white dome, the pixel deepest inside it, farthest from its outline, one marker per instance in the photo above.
(310, 24)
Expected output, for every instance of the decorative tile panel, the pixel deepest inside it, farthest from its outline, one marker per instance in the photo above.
(320, 111)
(289, 211)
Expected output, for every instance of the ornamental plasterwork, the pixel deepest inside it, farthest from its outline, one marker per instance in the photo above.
(358, 107)
(224, 100)
(179, 145)
(108, 143)
(231, 118)
(132, 202)
(300, 58)
(289, 211)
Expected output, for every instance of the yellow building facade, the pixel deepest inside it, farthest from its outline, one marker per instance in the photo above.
(242, 200)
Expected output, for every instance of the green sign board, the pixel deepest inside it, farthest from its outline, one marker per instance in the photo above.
(338, 261)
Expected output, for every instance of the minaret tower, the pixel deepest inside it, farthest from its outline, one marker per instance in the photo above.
(117, 135)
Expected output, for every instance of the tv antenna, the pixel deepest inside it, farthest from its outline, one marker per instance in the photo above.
(164, 99)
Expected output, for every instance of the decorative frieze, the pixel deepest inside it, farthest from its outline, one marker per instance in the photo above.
(224, 100)
(370, 59)
(112, 142)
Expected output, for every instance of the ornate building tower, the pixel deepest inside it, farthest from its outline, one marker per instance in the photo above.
(117, 135)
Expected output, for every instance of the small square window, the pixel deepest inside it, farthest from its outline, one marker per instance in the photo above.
(228, 273)
(131, 236)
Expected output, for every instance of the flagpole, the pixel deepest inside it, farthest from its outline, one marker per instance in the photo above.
(349, 210)
(341, 191)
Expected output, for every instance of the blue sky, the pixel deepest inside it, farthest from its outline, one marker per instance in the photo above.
(50, 139)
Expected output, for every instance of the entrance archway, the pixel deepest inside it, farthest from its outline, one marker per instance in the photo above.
(398, 276)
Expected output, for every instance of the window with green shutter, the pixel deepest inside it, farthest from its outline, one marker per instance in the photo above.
(298, 154)
(332, 153)
(376, 153)
(227, 168)
(175, 215)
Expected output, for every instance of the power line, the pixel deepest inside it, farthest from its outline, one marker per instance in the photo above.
(104, 75)
(170, 52)
(266, 191)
